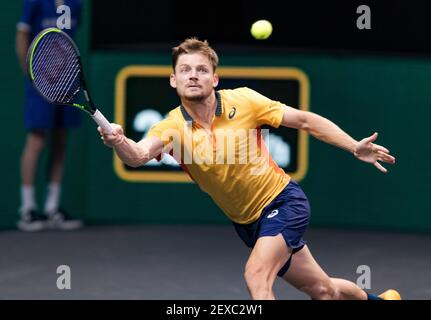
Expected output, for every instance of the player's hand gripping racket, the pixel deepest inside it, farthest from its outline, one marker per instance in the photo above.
(55, 69)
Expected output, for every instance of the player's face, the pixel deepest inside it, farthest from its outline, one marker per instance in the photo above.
(194, 77)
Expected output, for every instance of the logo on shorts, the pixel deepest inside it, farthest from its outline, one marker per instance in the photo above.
(272, 214)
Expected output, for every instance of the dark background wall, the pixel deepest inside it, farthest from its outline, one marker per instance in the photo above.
(363, 86)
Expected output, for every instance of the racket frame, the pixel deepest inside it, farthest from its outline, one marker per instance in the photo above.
(91, 108)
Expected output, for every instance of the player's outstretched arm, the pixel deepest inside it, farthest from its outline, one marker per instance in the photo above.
(327, 131)
(132, 153)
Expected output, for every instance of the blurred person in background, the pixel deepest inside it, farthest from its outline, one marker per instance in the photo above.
(43, 120)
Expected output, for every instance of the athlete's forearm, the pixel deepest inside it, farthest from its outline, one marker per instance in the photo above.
(327, 131)
(132, 153)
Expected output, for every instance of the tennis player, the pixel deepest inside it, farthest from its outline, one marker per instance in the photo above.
(269, 210)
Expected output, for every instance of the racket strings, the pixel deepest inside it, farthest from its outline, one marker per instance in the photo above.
(62, 90)
(57, 81)
(44, 66)
(56, 68)
(72, 72)
(52, 66)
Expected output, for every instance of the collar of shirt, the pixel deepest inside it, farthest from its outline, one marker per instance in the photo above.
(218, 110)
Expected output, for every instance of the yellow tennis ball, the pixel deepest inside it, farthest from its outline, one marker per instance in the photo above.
(261, 29)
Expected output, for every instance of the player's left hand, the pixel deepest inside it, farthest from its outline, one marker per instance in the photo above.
(369, 152)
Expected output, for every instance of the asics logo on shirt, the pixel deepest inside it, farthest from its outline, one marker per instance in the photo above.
(232, 113)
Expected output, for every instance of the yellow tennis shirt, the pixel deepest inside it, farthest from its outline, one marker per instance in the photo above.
(230, 162)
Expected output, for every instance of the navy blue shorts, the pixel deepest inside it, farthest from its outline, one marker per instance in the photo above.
(288, 214)
(41, 114)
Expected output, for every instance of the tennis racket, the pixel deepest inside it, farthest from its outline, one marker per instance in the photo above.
(55, 69)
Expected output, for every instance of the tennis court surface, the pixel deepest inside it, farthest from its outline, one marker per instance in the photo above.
(194, 262)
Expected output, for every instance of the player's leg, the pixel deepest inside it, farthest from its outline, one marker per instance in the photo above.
(56, 169)
(34, 144)
(58, 155)
(279, 229)
(267, 258)
(306, 275)
(38, 117)
(64, 119)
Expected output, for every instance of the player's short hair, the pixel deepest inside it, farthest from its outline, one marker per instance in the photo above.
(194, 45)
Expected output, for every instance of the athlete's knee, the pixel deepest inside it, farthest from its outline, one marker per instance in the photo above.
(36, 141)
(256, 277)
(321, 290)
(258, 283)
(253, 273)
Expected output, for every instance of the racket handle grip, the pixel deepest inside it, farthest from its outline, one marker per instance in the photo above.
(102, 122)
